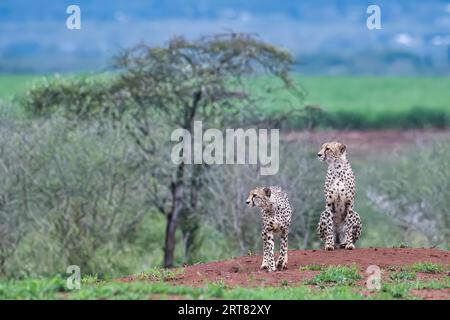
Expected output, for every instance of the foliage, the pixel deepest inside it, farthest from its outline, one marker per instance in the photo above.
(68, 196)
(82, 97)
(415, 190)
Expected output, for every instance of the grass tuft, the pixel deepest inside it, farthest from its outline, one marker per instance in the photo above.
(336, 275)
(427, 267)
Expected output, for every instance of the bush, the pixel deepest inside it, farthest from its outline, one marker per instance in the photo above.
(414, 190)
(418, 117)
(68, 196)
(82, 97)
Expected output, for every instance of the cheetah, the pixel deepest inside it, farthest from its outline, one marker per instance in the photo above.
(339, 223)
(276, 217)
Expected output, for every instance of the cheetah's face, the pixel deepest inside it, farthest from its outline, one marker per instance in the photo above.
(331, 151)
(258, 197)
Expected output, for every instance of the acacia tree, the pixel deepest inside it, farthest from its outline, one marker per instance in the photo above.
(208, 79)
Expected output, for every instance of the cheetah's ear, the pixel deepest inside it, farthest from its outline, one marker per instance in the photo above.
(342, 148)
(267, 191)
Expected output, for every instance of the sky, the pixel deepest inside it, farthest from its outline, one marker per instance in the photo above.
(327, 37)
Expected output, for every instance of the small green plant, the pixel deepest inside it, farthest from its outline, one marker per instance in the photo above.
(284, 283)
(312, 267)
(91, 279)
(396, 290)
(403, 275)
(160, 274)
(338, 275)
(402, 245)
(433, 284)
(427, 267)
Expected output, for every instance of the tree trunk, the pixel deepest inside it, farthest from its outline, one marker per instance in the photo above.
(173, 217)
(170, 240)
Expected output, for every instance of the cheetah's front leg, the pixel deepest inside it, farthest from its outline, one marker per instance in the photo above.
(353, 229)
(325, 229)
(283, 258)
(268, 247)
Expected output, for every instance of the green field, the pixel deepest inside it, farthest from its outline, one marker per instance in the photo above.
(374, 102)
(13, 85)
(347, 102)
(377, 95)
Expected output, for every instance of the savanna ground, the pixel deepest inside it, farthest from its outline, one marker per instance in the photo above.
(312, 274)
(406, 273)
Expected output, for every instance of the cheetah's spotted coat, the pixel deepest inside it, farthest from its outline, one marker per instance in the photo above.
(276, 217)
(339, 223)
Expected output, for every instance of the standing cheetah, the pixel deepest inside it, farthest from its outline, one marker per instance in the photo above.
(339, 223)
(276, 217)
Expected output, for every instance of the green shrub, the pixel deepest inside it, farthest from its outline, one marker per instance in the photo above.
(414, 190)
(72, 196)
(336, 275)
(417, 117)
(81, 97)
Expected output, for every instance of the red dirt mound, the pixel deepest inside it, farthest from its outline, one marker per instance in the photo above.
(244, 271)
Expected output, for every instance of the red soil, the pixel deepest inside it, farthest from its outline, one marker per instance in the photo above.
(361, 143)
(244, 271)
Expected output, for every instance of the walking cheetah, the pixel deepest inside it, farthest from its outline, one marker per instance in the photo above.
(339, 223)
(276, 217)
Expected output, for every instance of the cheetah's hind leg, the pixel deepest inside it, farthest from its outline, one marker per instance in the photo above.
(353, 226)
(357, 227)
(268, 248)
(283, 258)
(325, 230)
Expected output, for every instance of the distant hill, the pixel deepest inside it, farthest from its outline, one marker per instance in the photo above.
(329, 37)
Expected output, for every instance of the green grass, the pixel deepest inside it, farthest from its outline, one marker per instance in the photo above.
(375, 95)
(11, 88)
(427, 267)
(160, 274)
(402, 290)
(13, 85)
(403, 275)
(312, 267)
(395, 290)
(336, 275)
(32, 289)
(55, 288)
(372, 102)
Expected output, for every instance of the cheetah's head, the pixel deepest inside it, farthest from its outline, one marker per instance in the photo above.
(259, 197)
(331, 151)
